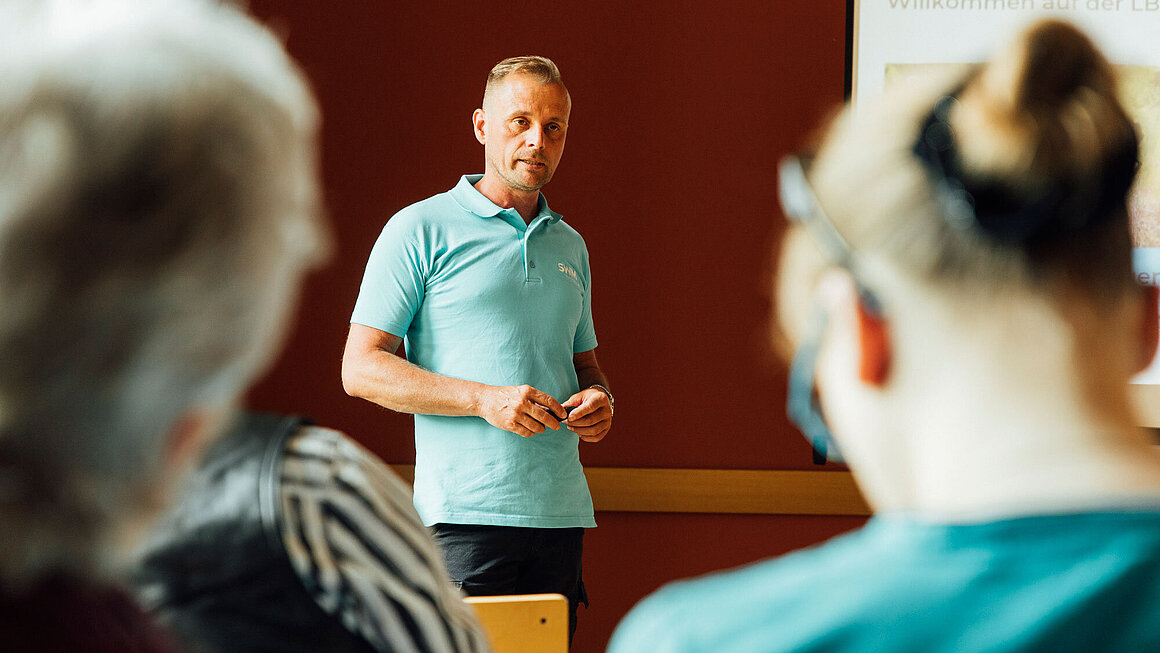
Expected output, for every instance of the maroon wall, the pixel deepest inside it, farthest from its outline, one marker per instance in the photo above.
(680, 113)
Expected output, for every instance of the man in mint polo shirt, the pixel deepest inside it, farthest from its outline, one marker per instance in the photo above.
(491, 293)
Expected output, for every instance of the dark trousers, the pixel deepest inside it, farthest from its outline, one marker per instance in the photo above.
(497, 560)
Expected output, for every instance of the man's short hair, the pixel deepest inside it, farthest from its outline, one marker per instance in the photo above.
(542, 69)
(158, 206)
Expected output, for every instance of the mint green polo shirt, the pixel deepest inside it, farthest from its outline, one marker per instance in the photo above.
(477, 294)
(1067, 582)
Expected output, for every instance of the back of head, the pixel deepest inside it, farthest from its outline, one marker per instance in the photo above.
(157, 208)
(1013, 178)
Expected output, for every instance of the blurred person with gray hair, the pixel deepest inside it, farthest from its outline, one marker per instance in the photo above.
(159, 204)
(158, 208)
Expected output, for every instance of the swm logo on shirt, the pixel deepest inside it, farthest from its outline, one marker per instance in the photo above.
(570, 272)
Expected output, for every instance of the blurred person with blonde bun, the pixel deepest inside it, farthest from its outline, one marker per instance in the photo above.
(958, 282)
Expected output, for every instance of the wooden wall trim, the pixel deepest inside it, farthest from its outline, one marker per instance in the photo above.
(731, 491)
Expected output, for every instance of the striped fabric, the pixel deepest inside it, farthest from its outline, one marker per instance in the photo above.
(356, 542)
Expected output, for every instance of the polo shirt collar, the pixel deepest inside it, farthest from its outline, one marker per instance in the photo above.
(471, 200)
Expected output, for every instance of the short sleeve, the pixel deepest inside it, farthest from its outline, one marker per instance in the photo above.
(395, 277)
(585, 338)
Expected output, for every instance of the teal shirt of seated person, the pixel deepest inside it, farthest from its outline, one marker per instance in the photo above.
(479, 294)
(1068, 582)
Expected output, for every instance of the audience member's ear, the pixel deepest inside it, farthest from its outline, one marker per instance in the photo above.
(1149, 326)
(874, 350)
(185, 444)
(840, 293)
(189, 436)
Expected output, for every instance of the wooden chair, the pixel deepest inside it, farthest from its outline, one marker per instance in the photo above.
(528, 623)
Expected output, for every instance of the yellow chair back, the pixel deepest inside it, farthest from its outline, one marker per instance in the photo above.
(528, 623)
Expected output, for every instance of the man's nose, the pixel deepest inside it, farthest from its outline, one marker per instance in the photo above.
(534, 137)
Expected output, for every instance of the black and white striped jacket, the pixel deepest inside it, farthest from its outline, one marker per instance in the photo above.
(291, 537)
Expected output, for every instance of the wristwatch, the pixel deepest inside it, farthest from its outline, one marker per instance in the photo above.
(607, 393)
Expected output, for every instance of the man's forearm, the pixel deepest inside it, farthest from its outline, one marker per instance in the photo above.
(591, 376)
(389, 381)
(588, 370)
(371, 371)
(395, 383)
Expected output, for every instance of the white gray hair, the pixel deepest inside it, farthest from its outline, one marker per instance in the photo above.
(158, 206)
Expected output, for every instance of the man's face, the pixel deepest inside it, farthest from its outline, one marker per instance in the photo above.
(522, 127)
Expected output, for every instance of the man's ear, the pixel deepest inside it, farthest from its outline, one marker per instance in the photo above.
(874, 354)
(478, 119)
(1149, 327)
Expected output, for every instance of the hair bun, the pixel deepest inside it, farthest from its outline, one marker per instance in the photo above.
(1044, 147)
(1057, 61)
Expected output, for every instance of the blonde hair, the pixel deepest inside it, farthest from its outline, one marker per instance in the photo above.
(1036, 140)
(542, 69)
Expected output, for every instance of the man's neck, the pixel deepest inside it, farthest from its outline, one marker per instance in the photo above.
(526, 203)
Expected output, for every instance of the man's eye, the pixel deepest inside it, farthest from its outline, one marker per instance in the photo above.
(554, 127)
(520, 121)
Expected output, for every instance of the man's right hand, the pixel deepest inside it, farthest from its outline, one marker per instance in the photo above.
(520, 409)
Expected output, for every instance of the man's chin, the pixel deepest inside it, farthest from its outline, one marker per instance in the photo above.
(529, 183)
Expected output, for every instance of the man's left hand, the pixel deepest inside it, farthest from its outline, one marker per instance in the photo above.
(591, 414)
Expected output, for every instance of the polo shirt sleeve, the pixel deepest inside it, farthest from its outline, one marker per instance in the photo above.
(585, 338)
(393, 284)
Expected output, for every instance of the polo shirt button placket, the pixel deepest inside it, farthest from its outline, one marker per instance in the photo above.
(529, 263)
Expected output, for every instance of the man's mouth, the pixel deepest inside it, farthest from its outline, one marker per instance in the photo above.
(531, 163)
